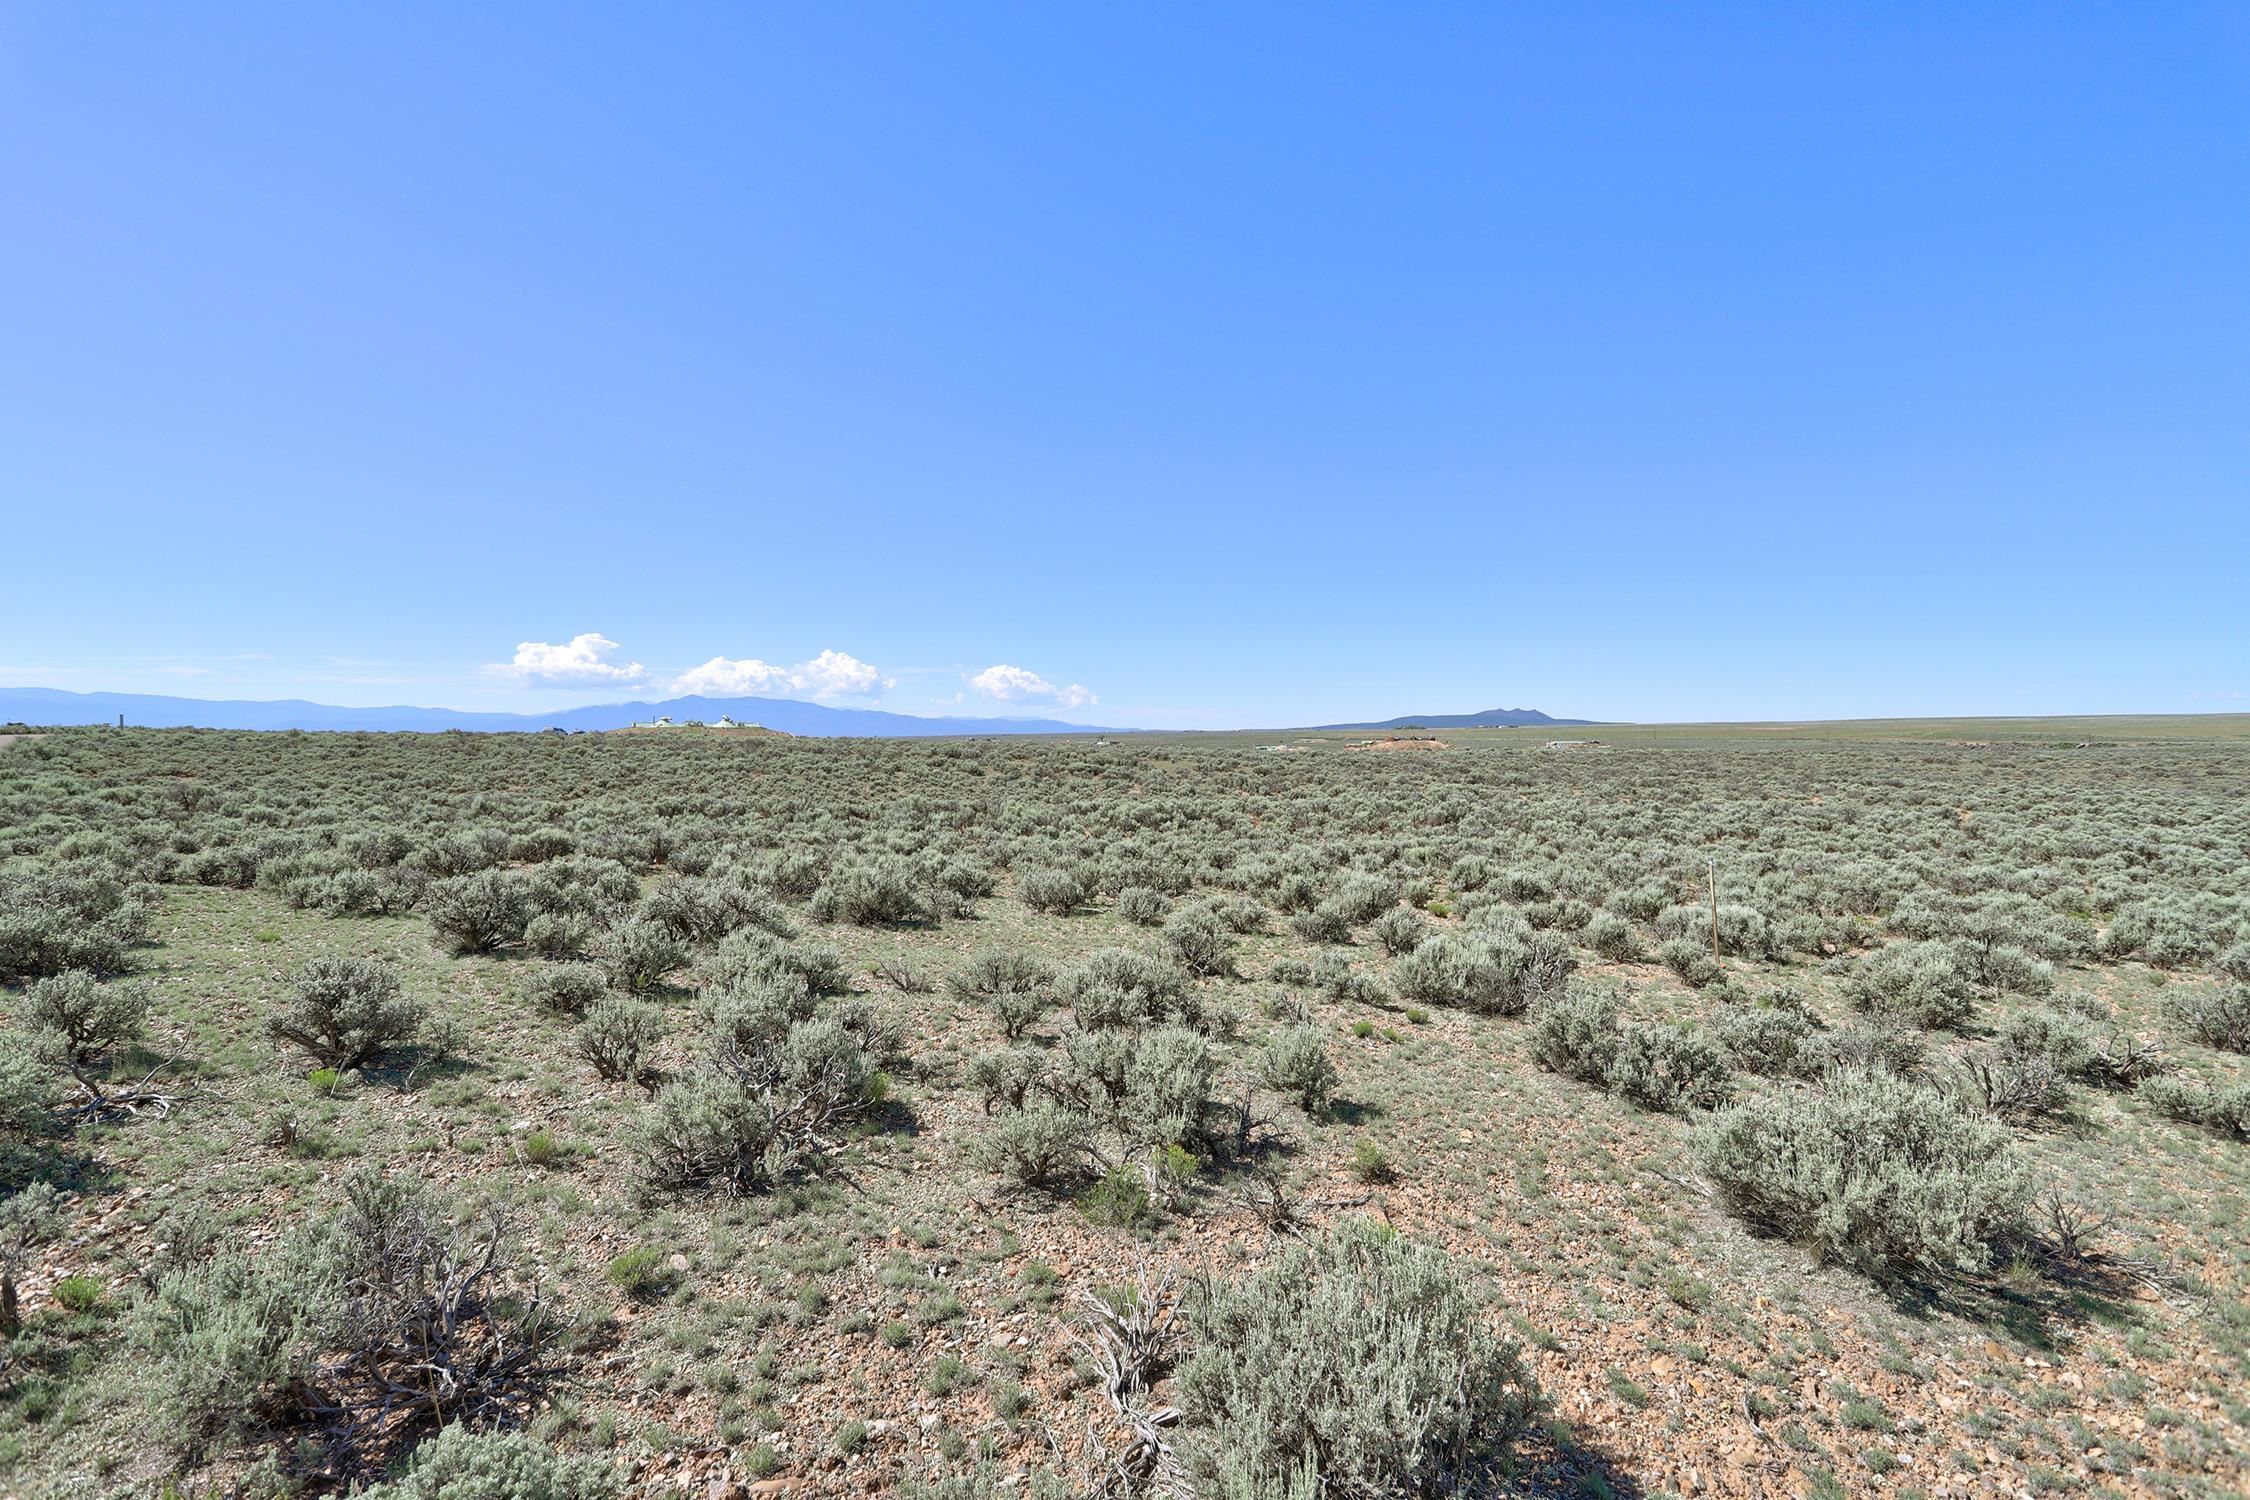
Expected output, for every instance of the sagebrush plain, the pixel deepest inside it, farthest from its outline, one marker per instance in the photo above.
(1767, 1111)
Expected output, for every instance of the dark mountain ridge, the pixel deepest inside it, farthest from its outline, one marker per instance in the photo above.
(1490, 718)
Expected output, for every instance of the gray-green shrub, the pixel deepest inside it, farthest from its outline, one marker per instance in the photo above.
(1295, 1062)
(1055, 892)
(617, 1035)
(1657, 1065)
(568, 988)
(637, 954)
(346, 1012)
(1400, 930)
(480, 912)
(1917, 983)
(1771, 1040)
(769, 1101)
(1354, 1366)
(1119, 987)
(392, 1311)
(1612, 936)
(1869, 1170)
(459, 1463)
(1143, 906)
(2225, 1108)
(79, 916)
(2216, 1016)
(1691, 960)
(1199, 942)
(76, 1020)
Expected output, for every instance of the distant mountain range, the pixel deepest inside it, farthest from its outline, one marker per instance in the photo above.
(51, 706)
(1491, 718)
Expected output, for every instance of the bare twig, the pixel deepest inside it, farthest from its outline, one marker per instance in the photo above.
(131, 1102)
(1131, 1345)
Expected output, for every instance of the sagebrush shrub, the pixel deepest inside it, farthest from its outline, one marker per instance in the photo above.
(1199, 942)
(1326, 922)
(1142, 906)
(1011, 983)
(26, 1085)
(459, 1463)
(79, 916)
(1743, 930)
(346, 1012)
(1917, 983)
(993, 970)
(637, 954)
(1295, 1062)
(2225, 1109)
(1656, 1065)
(1665, 1066)
(1354, 1366)
(1400, 930)
(749, 959)
(1005, 1079)
(2003, 968)
(1118, 987)
(1055, 892)
(887, 893)
(617, 1035)
(396, 1310)
(2056, 1039)
(1869, 1042)
(1691, 960)
(1575, 1034)
(1334, 973)
(770, 1101)
(559, 935)
(1872, 1171)
(1034, 1146)
(480, 912)
(1363, 896)
(1772, 1040)
(1152, 1085)
(2215, 1016)
(75, 1020)
(569, 988)
(1492, 973)
(703, 909)
(1612, 936)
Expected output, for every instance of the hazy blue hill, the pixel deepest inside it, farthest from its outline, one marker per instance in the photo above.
(1491, 718)
(52, 706)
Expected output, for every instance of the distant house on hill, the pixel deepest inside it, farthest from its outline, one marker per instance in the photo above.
(725, 722)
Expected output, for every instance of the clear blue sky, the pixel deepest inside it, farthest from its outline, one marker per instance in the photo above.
(1230, 364)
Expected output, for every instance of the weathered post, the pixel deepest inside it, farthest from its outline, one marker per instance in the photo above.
(1714, 908)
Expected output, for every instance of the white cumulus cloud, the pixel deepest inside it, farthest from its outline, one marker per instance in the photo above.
(1008, 684)
(723, 677)
(832, 674)
(582, 661)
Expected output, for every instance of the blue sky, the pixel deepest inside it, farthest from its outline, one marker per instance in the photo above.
(1201, 365)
